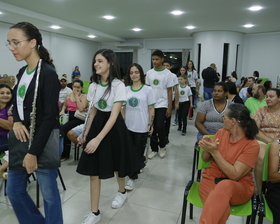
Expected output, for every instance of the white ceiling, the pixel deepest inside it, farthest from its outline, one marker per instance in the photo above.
(78, 18)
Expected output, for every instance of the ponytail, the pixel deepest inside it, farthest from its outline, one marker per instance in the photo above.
(44, 54)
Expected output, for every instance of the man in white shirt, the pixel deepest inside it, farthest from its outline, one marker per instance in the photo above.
(64, 91)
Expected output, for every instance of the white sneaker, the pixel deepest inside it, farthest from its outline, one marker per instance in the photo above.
(119, 200)
(162, 152)
(130, 185)
(92, 219)
(152, 154)
(174, 124)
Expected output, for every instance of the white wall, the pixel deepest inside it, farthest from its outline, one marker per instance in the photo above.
(262, 53)
(67, 52)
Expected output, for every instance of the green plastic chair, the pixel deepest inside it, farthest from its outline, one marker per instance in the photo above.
(265, 211)
(86, 86)
(192, 196)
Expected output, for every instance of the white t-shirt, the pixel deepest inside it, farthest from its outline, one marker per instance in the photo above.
(63, 93)
(105, 103)
(184, 93)
(22, 89)
(160, 81)
(192, 76)
(137, 108)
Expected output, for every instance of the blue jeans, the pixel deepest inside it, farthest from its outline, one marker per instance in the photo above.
(207, 93)
(24, 207)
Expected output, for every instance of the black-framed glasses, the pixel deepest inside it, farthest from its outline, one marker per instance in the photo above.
(14, 44)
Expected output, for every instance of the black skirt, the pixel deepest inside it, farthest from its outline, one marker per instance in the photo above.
(115, 152)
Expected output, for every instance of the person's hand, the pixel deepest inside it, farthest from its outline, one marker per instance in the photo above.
(168, 112)
(21, 132)
(209, 146)
(30, 163)
(61, 113)
(150, 129)
(92, 146)
(177, 106)
(76, 94)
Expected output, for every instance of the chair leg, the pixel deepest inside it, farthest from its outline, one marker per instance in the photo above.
(5, 187)
(248, 219)
(184, 210)
(61, 180)
(195, 155)
(191, 211)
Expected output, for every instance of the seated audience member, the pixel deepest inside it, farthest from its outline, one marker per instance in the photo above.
(234, 152)
(268, 122)
(259, 81)
(249, 92)
(64, 91)
(209, 115)
(233, 77)
(256, 75)
(74, 101)
(267, 85)
(243, 90)
(74, 77)
(232, 93)
(258, 100)
(273, 185)
(241, 83)
(11, 81)
(74, 133)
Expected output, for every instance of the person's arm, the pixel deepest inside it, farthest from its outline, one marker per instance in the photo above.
(123, 110)
(258, 117)
(200, 118)
(94, 143)
(169, 109)
(190, 98)
(82, 102)
(7, 124)
(151, 109)
(273, 163)
(233, 172)
(64, 105)
(176, 90)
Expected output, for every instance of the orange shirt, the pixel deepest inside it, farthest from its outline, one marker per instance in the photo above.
(244, 150)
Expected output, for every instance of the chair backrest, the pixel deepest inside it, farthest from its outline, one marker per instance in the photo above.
(201, 163)
(86, 86)
(265, 163)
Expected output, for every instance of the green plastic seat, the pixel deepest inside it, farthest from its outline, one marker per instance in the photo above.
(265, 211)
(86, 86)
(192, 196)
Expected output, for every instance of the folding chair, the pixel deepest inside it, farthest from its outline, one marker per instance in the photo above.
(264, 208)
(192, 196)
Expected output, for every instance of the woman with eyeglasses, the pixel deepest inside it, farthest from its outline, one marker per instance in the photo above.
(209, 115)
(25, 43)
(233, 152)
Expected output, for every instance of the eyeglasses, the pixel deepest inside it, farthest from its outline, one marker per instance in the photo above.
(14, 44)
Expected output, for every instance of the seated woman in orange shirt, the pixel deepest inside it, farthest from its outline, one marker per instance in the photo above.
(228, 179)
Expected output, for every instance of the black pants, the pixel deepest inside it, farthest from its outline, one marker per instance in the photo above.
(182, 115)
(167, 127)
(158, 137)
(273, 199)
(139, 141)
(193, 89)
(73, 122)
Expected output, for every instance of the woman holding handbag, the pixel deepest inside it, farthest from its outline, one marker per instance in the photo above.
(34, 140)
(75, 102)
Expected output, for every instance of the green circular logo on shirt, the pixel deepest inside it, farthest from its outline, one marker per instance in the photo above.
(156, 82)
(22, 91)
(182, 92)
(189, 75)
(102, 104)
(133, 102)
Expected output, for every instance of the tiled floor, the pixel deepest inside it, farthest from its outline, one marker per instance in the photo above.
(156, 199)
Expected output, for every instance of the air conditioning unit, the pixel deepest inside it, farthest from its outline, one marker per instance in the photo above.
(129, 45)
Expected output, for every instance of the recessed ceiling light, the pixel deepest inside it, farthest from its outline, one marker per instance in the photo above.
(91, 36)
(255, 8)
(55, 27)
(190, 27)
(108, 17)
(136, 29)
(177, 12)
(1, 13)
(248, 25)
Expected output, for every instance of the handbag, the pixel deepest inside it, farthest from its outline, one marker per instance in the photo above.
(80, 115)
(50, 157)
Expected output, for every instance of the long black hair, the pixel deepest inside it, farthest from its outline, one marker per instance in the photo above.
(31, 32)
(8, 87)
(242, 115)
(128, 80)
(114, 70)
